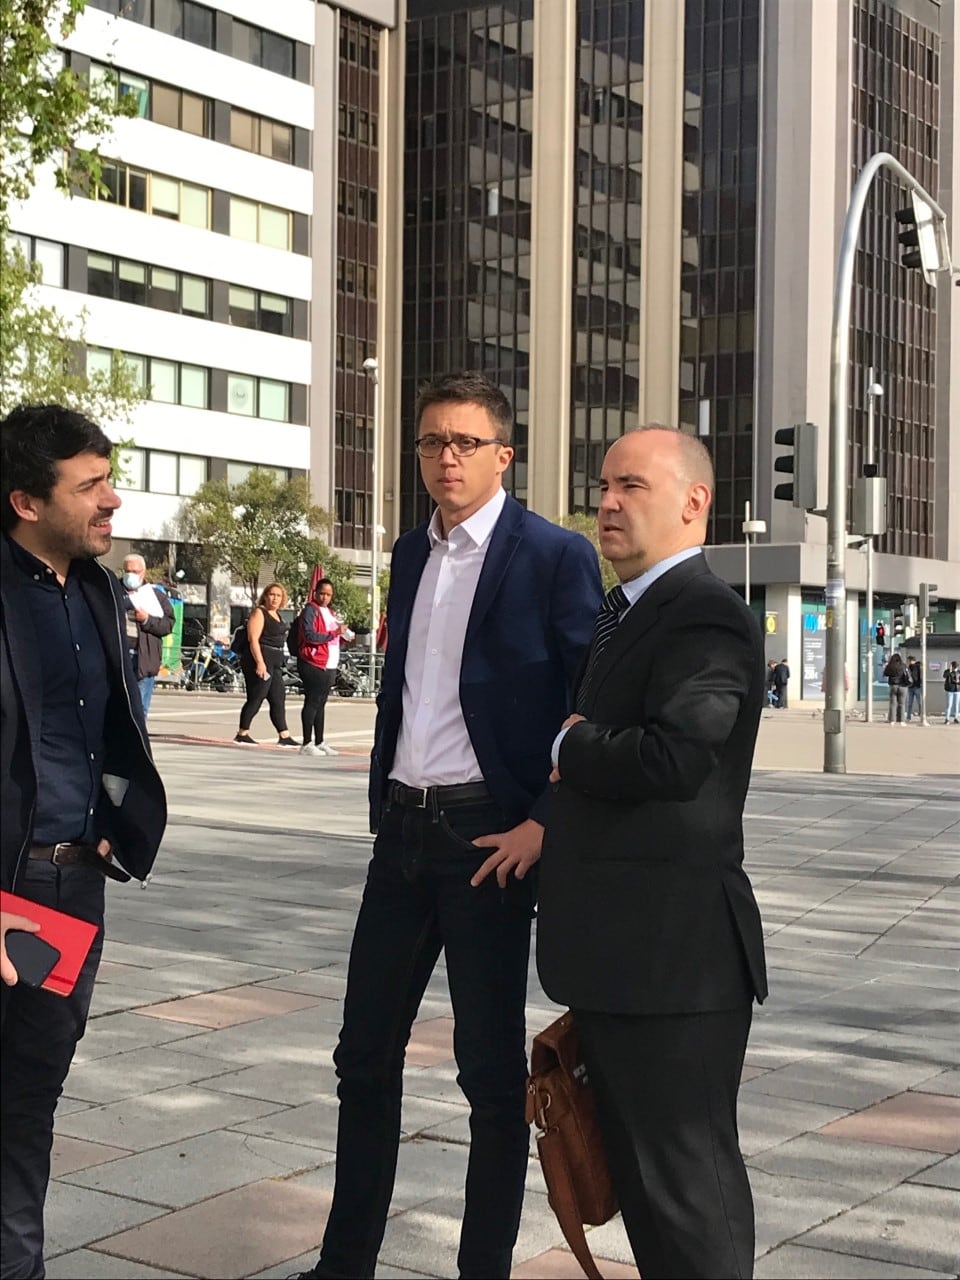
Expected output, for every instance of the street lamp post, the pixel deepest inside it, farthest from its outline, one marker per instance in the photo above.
(874, 392)
(834, 726)
(372, 369)
(749, 527)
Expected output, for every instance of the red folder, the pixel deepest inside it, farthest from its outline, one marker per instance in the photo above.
(73, 938)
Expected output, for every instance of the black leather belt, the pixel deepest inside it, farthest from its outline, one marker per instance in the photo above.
(70, 854)
(436, 797)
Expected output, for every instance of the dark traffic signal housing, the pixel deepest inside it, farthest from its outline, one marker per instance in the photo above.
(928, 598)
(801, 463)
(909, 239)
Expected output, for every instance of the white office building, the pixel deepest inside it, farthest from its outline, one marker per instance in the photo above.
(196, 264)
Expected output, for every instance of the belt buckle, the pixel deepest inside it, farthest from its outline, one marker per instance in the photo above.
(55, 856)
(422, 797)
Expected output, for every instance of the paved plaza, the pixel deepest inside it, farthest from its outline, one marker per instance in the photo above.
(196, 1134)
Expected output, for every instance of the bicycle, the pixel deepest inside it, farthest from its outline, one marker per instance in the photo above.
(213, 666)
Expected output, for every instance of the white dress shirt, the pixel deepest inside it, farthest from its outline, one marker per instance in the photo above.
(433, 746)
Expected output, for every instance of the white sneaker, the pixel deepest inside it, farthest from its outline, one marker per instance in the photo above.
(308, 749)
(326, 750)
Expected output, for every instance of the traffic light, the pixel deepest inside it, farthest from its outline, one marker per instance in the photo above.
(909, 238)
(898, 625)
(928, 598)
(923, 239)
(801, 463)
(881, 634)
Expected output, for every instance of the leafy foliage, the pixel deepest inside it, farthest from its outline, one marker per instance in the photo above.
(48, 114)
(266, 529)
(581, 522)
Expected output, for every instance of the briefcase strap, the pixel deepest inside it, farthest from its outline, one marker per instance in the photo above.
(563, 1201)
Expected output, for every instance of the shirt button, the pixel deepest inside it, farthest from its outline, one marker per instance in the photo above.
(433, 651)
(81, 702)
(426, 702)
(36, 577)
(77, 647)
(92, 756)
(91, 811)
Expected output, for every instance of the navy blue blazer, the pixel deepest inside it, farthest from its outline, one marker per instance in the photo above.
(532, 619)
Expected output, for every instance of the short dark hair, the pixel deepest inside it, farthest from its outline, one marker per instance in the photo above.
(468, 387)
(323, 582)
(33, 439)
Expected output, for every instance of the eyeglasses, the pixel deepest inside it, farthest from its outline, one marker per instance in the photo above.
(460, 446)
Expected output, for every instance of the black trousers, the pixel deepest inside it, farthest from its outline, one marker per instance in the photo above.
(39, 1032)
(272, 689)
(317, 683)
(666, 1091)
(417, 901)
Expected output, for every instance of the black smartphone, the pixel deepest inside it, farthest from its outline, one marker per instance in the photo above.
(33, 959)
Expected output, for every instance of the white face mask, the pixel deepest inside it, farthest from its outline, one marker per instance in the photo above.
(132, 580)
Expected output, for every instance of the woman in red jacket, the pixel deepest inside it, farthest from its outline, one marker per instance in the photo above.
(318, 656)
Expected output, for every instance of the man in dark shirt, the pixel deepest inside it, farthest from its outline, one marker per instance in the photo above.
(80, 797)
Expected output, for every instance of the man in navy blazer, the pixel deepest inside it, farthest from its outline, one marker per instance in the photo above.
(490, 611)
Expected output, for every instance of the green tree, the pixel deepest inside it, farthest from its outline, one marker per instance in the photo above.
(49, 114)
(582, 522)
(267, 528)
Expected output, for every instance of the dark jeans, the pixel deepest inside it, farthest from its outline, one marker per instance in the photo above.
(317, 683)
(272, 689)
(417, 901)
(914, 700)
(666, 1093)
(38, 1035)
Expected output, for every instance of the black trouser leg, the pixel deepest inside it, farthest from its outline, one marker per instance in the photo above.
(317, 683)
(256, 692)
(39, 1034)
(666, 1091)
(277, 694)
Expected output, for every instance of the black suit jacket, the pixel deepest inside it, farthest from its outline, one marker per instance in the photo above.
(132, 810)
(644, 904)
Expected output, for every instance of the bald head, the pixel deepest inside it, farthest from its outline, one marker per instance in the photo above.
(656, 486)
(693, 461)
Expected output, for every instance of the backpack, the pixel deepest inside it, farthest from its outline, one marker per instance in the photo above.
(293, 637)
(239, 641)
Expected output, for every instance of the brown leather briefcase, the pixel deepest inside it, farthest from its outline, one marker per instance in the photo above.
(560, 1102)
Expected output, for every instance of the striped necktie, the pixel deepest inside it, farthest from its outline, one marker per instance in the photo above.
(614, 603)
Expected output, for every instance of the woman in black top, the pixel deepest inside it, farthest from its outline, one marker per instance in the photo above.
(262, 666)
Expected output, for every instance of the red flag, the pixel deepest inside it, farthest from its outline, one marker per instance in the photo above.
(382, 632)
(314, 579)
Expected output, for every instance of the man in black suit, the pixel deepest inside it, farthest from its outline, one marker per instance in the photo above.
(648, 927)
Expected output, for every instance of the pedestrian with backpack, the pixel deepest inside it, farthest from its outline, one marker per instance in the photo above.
(898, 680)
(261, 661)
(315, 637)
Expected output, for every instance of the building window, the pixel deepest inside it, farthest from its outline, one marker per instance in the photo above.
(251, 309)
(46, 254)
(181, 18)
(263, 48)
(260, 223)
(237, 472)
(153, 193)
(162, 103)
(258, 397)
(165, 381)
(144, 285)
(160, 472)
(266, 137)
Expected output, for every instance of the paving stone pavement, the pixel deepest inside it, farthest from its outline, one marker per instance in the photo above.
(197, 1130)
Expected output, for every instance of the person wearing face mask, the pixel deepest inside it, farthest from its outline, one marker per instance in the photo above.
(149, 617)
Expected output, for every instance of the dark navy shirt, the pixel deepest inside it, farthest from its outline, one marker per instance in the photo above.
(75, 693)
